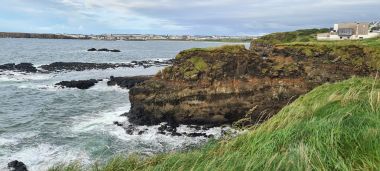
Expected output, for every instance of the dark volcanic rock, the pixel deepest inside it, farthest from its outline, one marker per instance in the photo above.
(17, 166)
(118, 123)
(224, 85)
(22, 67)
(130, 130)
(81, 84)
(127, 82)
(92, 50)
(26, 67)
(103, 50)
(78, 66)
(196, 134)
(10, 66)
(115, 50)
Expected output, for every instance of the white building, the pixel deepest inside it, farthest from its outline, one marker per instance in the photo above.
(349, 31)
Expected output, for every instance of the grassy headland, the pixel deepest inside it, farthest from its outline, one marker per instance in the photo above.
(334, 127)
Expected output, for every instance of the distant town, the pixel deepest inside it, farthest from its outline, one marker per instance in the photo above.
(129, 37)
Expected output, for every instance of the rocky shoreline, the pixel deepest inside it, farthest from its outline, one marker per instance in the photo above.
(22, 67)
(123, 82)
(233, 85)
(229, 85)
(80, 66)
(226, 85)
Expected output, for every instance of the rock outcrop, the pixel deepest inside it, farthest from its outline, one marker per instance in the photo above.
(22, 67)
(104, 50)
(127, 82)
(81, 84)
(79, 66)
(234, 85)
(17, 166)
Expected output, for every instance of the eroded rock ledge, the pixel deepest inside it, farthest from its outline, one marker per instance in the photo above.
(234, 85)
(127, 82)
(22, 67)
(81, 66)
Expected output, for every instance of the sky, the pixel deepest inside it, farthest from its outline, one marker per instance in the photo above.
(182, 17)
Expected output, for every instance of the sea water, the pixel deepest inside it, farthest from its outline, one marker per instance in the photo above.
(43, 125)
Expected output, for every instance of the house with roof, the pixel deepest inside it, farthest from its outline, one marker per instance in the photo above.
(349, 31)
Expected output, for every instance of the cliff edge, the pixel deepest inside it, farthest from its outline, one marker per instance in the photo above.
(232, 84)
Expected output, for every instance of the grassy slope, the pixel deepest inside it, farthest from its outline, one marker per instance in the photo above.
(306, 35)
(374, 42)
(334, 127)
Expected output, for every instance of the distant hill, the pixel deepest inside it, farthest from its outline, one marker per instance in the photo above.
(34, 35)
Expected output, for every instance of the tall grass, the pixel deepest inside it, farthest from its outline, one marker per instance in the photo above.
(334, 127)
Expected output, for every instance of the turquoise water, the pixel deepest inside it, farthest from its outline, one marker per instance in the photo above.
(42, 125)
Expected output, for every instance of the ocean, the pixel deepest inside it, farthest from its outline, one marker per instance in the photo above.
(43, 125)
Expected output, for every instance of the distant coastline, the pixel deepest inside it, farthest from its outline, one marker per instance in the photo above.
(35, 35)
(129, 37)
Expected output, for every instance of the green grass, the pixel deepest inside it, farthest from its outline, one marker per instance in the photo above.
(306, 35)
(224, 48)
(374, 42)
(356, 52)
(334, 127)
(198, 63)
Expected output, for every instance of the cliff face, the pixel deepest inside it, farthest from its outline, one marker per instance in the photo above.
(229, 84)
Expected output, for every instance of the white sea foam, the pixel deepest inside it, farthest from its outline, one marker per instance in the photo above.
(151, 139)
(154, 142)
(102, 86)
(22, 76)
(100, 121)
(15, 138)
(7, 141)
(43, 156)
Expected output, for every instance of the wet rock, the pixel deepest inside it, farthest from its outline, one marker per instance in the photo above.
(196, 134)
(118, 123)
(22, 67)
(167, 128)
(115, 50)
(141, 132)
(130, 129)
(17, 166)
(79, 66)
(176, 134)
(10, 66)
(150, 63)
(103, 50)
(81, 84)
(127, 82)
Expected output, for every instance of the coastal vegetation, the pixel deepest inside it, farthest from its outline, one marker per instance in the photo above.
(334, 127)
(305, 35)
(305, 105)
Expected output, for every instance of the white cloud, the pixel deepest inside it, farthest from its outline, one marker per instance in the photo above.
(192, 17)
